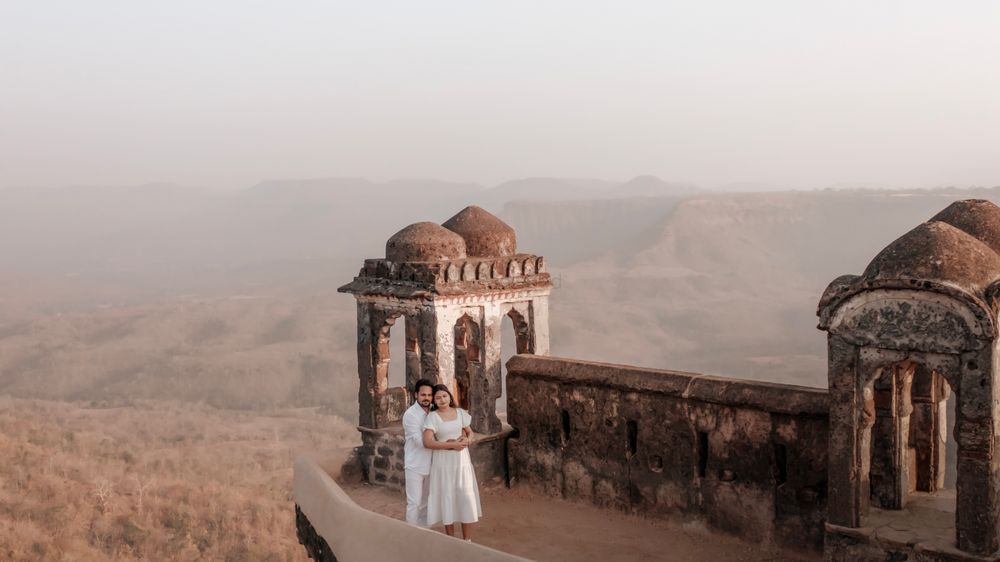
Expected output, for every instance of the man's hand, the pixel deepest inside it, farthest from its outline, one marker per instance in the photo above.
(459, 445)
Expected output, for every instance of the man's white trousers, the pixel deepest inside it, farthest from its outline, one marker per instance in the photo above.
(417, 488)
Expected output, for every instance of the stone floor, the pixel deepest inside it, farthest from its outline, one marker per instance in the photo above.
(551, 530)
(927, 517)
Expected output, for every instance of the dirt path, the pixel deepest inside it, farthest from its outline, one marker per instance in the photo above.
(550, 529)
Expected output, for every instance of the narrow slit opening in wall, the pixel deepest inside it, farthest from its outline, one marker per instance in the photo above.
(565, 425)
(702, 453)
(780, 463)
(632, 429)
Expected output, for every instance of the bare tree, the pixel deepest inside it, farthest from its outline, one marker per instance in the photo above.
(103, 491)
(141, 485)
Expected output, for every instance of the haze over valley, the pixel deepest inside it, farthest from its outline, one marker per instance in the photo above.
(160, 292)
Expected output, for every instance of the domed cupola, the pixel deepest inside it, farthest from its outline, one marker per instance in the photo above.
(485, 235)
(424, 242)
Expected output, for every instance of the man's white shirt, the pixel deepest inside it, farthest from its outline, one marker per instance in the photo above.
(416, 457)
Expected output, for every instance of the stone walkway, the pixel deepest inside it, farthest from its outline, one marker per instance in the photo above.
(539, 528)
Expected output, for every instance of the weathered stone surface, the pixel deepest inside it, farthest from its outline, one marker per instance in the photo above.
(937, 251)
(922, 313)
(977, 217)
(427, 280)
(909, 320)
(720, 390)
(424, 242)
(638, 440)
(484, 234)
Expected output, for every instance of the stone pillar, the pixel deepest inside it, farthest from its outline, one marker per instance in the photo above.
(977, 511)
(540, 325)
(444, 338)
(925, 432)
(487, 421)
(427, 340)
(883, 476)
(889, 477)
(367, 342)
(943, 392)
(844, 460)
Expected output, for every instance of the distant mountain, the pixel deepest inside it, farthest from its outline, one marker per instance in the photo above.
(338, 187)
(567, 232)
(652, 186)
(543, 189)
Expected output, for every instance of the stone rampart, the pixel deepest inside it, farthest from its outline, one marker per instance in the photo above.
(747, 458)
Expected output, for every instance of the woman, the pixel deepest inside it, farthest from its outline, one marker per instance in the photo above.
(454, 492)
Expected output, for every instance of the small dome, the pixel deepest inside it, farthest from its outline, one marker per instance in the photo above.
(484, 234)
(937, 251)
(424, 241)
(978, 217)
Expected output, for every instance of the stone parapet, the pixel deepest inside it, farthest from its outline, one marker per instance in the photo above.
(334, 528)
(451, 277)
(740, 457)
(769, 397)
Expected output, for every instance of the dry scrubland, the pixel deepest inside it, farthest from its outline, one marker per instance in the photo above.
(267, 351)
(153, 481)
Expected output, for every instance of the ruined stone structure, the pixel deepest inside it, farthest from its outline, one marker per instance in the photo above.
(452, 285)
(856, 471)
(920, 322)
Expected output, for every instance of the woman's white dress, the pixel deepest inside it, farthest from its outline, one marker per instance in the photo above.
(454, 492)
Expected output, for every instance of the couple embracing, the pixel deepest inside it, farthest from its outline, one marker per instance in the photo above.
(441, 482)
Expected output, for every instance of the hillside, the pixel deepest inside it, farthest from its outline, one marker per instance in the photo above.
(728, 283)
(717, 283)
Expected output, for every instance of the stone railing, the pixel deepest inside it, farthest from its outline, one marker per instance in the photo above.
(335, 529)
(471, 269)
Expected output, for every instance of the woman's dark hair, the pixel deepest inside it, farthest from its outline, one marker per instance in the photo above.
(421, 383)
(439, 388)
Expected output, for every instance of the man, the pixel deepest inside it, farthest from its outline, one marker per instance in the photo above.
(416, 457)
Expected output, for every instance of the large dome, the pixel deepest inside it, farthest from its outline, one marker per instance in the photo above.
(424, 241)
(939, 252)
(978, 217)
(484, 234)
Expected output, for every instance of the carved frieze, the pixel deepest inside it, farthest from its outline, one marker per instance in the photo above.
(908, 320)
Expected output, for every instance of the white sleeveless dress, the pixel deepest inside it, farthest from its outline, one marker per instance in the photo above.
(454, 491)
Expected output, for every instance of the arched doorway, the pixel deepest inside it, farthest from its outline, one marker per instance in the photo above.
(515, 338)
(904, 437)
(391, 371)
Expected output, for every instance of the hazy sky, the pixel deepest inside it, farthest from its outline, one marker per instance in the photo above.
(225, 94)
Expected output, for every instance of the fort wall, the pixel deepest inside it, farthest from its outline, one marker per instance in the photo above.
(743, 457)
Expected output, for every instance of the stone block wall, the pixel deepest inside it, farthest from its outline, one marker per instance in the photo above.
(742, 457)
(381, 456)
